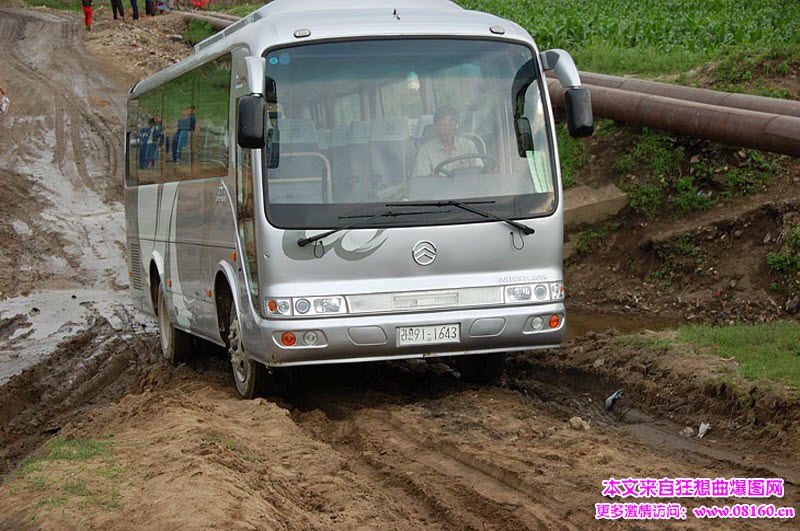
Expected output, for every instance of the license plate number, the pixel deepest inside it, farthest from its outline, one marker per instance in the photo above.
(428, 335)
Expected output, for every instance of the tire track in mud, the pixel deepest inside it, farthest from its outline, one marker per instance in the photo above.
(80, 118)
(94, 367)
(83, 138)
(457, 487)
(444, 453)
(564, 394)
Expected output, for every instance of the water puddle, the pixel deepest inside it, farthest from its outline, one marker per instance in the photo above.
(581, 321)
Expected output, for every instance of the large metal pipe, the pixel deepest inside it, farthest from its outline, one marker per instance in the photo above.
(710, 97)
(726, 125)
(217, 22)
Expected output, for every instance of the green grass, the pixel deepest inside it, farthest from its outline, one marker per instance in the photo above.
(85, 459)
(787, 261)
(659, 153)
(687, 197)
(678, 258)
(645, 199)
(649, 347)
(54, 501)
(61, 449)
(241, 10)
(650, 36)
(572, 154)
(741, 69)
(197, 31)
(591, 239)
(645, 61)
(659, 159)
(763, 351)
(76, 487)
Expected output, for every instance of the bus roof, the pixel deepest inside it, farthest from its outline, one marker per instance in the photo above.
(297, 6)
(277, 23)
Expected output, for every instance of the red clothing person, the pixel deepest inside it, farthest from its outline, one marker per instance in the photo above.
(87, 13)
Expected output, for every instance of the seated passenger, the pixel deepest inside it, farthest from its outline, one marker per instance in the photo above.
(446, 145)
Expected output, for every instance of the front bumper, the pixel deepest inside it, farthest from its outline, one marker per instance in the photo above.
(374, 338)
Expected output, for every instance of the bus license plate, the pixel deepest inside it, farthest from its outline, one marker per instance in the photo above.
(428, 335)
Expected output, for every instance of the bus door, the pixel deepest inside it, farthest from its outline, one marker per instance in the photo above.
(245, 210)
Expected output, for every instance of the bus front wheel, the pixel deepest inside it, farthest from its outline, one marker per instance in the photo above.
(249, 376)
(175, 344)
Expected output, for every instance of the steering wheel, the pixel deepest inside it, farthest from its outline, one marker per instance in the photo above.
(489, 163)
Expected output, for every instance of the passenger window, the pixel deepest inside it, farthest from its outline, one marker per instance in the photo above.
(180, 121)
(132, 139)
(210, 141)
(150, 139)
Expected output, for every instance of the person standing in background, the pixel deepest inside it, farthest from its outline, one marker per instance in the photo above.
(87, 13)
(186, 124)
(116, 7)
(135, 8)
(4, 101)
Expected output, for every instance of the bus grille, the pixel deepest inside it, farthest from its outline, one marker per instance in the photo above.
(135, 266)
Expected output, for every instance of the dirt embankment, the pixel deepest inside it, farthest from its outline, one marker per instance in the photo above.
(133, 444)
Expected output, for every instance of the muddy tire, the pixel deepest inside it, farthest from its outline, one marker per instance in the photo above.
(481, 368)
(249, 376)
(176, 345)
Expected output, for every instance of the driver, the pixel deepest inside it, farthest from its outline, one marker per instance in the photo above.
(446, 145)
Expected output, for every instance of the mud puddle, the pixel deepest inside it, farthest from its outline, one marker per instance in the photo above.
(577, 393)
(580, 321)
(32, 327)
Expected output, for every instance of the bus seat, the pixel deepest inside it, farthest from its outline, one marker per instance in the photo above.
(390, 140)
(360, 164)
(324, 141)
(303, 172)
(424, 121)
(340, 163)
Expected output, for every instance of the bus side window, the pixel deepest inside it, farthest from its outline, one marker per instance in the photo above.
(210, 141)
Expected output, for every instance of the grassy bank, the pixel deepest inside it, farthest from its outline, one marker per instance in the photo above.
(762, 351)
(651, 36)
(80, 475)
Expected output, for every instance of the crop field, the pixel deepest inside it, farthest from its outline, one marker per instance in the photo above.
(651, 35)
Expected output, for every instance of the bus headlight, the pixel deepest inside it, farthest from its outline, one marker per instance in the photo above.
(326, 305)
(302, 306)
(557, 291)
(541, 292)
(518, 293)
(278, 306)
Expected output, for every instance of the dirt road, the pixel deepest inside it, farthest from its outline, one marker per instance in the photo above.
(395, 445)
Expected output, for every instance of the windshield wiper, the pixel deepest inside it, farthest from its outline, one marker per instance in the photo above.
(464, 205)
(364, 219)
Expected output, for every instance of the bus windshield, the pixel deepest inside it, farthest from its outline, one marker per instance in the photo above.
(356, 126)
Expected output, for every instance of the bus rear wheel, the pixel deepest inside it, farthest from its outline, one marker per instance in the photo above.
(481, 368)
(175, 344)
(249, 376)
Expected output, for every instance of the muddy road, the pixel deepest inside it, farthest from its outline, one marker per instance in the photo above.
(392, 445)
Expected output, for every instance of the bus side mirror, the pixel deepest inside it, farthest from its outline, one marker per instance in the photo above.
(252, 110)
(578, 104)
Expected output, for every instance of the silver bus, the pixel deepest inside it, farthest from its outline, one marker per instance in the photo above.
(351, 181)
